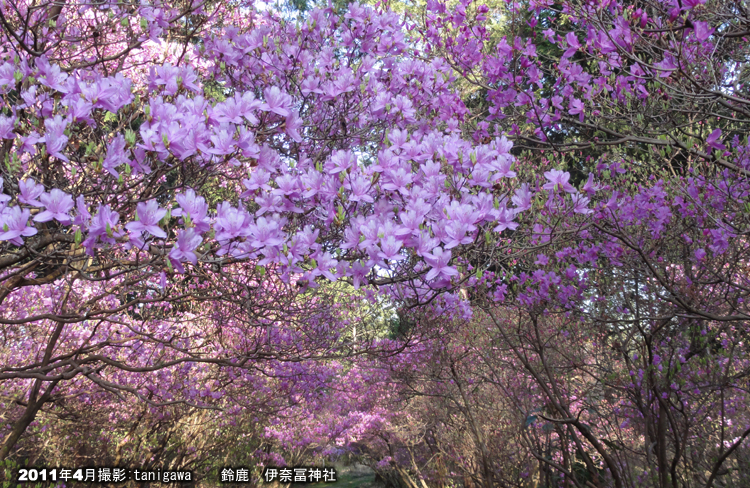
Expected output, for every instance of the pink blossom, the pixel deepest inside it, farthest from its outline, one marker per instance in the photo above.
(57, 204)
(149, 215)
(13, 222)
(558, 180)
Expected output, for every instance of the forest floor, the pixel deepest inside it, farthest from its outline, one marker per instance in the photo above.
(354, 476)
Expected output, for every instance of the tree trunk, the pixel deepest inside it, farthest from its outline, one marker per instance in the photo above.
(28, 416)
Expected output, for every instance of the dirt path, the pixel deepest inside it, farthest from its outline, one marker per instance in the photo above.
(355, 476)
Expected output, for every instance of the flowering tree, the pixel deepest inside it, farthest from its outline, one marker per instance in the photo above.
(256, 158)
(619, 338)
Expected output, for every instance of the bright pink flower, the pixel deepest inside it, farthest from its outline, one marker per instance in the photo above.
(558, 179)
(57, 204)
(55, 136)
(713, 140)
(13, 223)
(6, 127)
(577, 108)
(438, 262)
(30, 191)
(149, 215)
(277, 101)
(184, 249)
